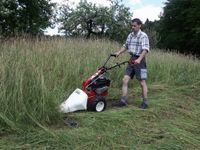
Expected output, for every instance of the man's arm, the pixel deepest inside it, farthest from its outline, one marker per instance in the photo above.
(142, 55)
(145, 49)
(123, 49)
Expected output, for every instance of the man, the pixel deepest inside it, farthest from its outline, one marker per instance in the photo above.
(137, 45)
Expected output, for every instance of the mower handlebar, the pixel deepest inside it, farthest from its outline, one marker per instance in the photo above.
(117, 65)
(113, 55)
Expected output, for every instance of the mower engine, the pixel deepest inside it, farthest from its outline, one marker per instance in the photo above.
(100, 85)
(96, 87)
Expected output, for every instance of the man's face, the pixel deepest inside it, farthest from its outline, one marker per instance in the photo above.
(135, 27)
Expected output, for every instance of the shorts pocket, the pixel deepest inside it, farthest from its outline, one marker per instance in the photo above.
(143, 73)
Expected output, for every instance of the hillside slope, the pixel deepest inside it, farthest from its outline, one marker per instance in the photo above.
(36, 76)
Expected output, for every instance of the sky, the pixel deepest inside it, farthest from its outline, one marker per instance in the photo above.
(142, 9)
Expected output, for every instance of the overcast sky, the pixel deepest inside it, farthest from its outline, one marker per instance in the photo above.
(142, 9)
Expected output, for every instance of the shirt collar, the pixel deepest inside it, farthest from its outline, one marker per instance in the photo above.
(138, 33)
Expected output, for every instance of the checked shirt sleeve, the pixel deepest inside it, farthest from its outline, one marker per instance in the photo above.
(127, 43)
(145, 43)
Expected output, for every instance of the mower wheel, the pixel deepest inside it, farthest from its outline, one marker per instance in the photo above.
(98, 104)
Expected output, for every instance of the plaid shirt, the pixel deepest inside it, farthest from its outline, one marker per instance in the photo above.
(135, 44)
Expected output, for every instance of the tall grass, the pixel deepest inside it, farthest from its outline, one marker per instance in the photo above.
(36, 76)
(173, 68)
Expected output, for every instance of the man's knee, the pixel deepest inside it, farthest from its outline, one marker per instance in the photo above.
(126, 79)
(143, 83)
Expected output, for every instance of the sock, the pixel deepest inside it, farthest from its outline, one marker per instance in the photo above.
(123, 99)
(145, 100)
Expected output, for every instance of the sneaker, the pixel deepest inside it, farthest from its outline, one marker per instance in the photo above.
(143, 105)
(119, 104)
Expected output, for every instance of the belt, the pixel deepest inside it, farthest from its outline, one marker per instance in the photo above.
(135, 55)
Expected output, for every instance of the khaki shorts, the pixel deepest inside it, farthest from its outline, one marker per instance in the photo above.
(139, 70)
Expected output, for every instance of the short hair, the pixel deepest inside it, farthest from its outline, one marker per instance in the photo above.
(137, 20)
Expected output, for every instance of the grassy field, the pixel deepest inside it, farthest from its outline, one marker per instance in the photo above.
(36, 76)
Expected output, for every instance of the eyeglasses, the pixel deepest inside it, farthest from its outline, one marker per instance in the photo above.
(133, 25)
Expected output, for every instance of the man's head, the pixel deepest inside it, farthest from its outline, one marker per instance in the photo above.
(136, 25)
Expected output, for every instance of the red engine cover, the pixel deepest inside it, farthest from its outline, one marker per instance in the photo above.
(91, 93)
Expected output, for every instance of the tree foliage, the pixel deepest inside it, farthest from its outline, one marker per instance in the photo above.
(180, 26)
(24, 16)
(90, 20)
(150, 27)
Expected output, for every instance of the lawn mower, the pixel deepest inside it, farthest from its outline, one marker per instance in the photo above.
(93, 93)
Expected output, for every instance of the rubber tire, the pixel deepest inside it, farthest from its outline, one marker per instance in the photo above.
(96, 100)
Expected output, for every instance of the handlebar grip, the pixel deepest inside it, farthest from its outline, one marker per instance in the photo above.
(113, 55)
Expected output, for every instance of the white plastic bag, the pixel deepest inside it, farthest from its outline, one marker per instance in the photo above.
(76, 101)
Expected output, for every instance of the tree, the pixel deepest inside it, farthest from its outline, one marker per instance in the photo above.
(119, 25)
(89, 20)
(180, 26)
(84, 20)
(25, 16)
(7, 16)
